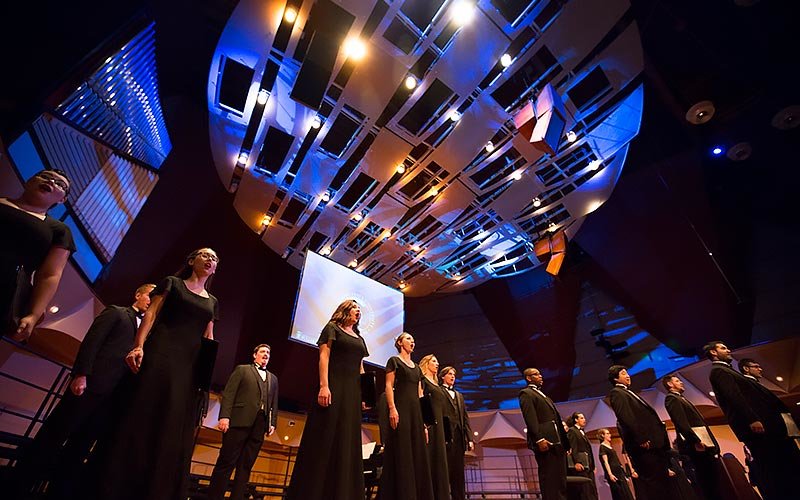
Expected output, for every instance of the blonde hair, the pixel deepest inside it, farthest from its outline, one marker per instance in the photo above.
(601, 433)
(423, 365)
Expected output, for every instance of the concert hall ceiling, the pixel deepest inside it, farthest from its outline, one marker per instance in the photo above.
(428, 144)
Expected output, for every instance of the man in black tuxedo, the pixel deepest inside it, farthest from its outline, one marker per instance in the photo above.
(582, 455)
(546, 436)
(643, 432)
(751, 369)
(66, 438)
(458, 433)
(756, 416)
(688, 422)
(249, 410)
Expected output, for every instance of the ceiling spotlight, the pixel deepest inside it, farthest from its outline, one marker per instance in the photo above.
(325, 251)
(489, 147)
(778, 378)
(717, 150)
(411, 82)
(326, 196)
(290, 15)
(402, 285)
(357, 217)
(352, 263)
(454, 116)
(266, 220)
(55, 309)
(416, 248)
(433, 191)
(537, 202)
(462, 12)
(551, 227)
(401, 169)
(475, 433)
(242, 158)
(285, 438)
(456, 274)
(354, 49)
(505, 60)
(700, 113)
(262, 97)
(572, 136)
(711, 393)
(516, 175)
(316, 122)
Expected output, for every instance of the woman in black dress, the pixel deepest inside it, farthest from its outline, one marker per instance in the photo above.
(34, 244)
(437, 449)
(329, 464)
(406, 475)
(154, 442)
(612, 468)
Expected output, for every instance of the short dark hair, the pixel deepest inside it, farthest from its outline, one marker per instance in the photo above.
(613, 372)
(259, 346)
(447, 369)
(665, 380)
(746, 363)
(573, 419)
(711, 346)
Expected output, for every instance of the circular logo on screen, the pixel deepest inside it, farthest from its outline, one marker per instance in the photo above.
(367, 320)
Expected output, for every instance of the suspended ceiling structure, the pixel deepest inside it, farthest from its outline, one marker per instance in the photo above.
(427, 144)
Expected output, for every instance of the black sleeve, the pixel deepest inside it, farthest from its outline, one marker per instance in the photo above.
(165, 287)
(328, 333)
(677, 413)
(725, 387)
(229, 394)
(391, 365)
(104, 323)
(572, 438)
(62, 236)
(529, 415)
(621, 405)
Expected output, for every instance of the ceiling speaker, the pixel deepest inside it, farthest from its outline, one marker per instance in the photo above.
(740, 152)
(700, 113)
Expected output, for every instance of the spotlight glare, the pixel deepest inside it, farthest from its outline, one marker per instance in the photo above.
(489, 147)
(325, 251)
(242, 158)
(266, 220)
(433, 191)
(316, 122)
(594, 165)
(416, 248)
(326, 196)
(290, 15)
(401, 169)
(402, 285)
(55, 309)
(354, 49)
(352, 263)
(411, 82)
(572, 136)
(454, 116)
(357, 217)
(516, 175)
(717, 151)
(537, 202)
(462, 12)
(262, 97)
(505, 60)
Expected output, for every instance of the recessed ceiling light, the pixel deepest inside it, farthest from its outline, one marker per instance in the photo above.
(700, 113)
(54, 309)
(402, 285)
(416, 247)
(572, 136)
(462, 12)
(537, 202)
(779, 378)
(454, 116)
(357, 216)
(262, 97)
(489, 147)
(325, 251)
(717, 150)
(285, 438)
(711, 393)
(505, 60)
(476, 433)
(354, 48)
(266, 220)
(401, 169)
(411, 82)
(290, 15)
(352, 263)
(433, 191)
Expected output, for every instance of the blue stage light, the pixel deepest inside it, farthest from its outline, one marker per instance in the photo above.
(717, 150)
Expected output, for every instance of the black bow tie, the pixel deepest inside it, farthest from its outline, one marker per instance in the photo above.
(262, 368)
(449, 388)
(139, 315)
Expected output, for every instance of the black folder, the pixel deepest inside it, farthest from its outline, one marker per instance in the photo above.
(428, 418)
(204, 366)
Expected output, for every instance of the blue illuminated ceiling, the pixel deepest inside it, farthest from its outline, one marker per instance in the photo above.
(340, 157)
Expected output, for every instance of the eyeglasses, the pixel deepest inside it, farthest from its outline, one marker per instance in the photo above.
(209, 256)
(59, 183)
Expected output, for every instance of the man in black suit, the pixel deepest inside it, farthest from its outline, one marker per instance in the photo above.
(582, 455)
(546, 436)
(688, 423)
(757, 417)
(66, 438)
(643, 432)
(458, 433)
(249, 410)
(751, 369)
